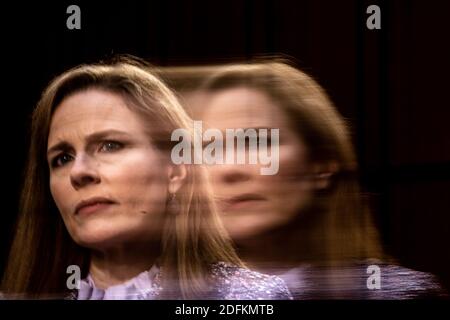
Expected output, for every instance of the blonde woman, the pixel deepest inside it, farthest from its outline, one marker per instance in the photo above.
(101, 194)
(308, 222)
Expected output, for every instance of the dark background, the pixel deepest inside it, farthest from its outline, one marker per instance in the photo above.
(391, 84)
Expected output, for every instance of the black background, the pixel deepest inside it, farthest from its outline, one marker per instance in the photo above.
(391, 84)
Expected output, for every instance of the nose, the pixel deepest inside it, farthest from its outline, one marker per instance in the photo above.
(234, 174)
(83, 172)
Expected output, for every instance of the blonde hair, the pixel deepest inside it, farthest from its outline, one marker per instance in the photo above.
(341, 227)
(42, 248)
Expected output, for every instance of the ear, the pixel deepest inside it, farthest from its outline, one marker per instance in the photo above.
(176, 174)
(323, 173)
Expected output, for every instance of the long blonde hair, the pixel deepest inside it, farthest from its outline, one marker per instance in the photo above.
(341, 227)
(42, 248)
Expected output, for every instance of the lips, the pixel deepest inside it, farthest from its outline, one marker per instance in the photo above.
(92, 204)
(242, 200)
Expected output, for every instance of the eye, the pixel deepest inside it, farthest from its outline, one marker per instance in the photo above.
(61, 160)
(109, 146)
(266, 139)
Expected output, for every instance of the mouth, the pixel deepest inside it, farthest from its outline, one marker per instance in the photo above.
(243, 201)
(92, 205)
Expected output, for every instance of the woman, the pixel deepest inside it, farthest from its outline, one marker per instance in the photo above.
(310, 217)
(102, 194)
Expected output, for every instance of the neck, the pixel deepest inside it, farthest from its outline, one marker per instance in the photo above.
(279, 250)
(116, 265)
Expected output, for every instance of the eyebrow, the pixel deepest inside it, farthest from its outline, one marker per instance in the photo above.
(269, 129)
(259, 128)
(64, 145)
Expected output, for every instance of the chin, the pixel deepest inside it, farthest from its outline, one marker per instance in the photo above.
(238, 229)
(97, 238)
(95, 242)
(251, 227)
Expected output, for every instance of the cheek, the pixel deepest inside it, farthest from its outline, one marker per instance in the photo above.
(141, 184)
(293, 192)
(292, 160)
(60, 192)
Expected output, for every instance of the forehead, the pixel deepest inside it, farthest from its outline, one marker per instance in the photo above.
(89, 111)
(242, 108)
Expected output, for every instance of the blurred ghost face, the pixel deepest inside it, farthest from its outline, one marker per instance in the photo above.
(252, 203)
(107, 179)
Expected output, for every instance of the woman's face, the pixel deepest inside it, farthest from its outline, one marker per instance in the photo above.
(252, 203)
(108, 181)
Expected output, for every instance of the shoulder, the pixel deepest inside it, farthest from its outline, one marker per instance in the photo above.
(356, 281)
(398, 282)
(237, 283)
(401, 282)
